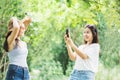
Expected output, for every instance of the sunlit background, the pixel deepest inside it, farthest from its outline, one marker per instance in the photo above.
(47, 58)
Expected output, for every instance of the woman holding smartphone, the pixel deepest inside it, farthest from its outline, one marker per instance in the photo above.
(86, 56)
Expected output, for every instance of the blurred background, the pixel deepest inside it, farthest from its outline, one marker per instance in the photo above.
(47, 58)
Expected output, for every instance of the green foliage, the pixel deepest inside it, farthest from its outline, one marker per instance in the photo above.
(50, 18)
(60, 54)
(108, 74)
(47, 70)
(8, 8)
(110, 49)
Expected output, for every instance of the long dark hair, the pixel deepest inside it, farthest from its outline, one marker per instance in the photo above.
(10, 26)
(5, 46)
(94, 33)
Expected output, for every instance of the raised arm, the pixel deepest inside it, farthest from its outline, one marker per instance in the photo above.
(71, 54)
(81, 54)
(14, 34)
(75, 48)
(26, 20)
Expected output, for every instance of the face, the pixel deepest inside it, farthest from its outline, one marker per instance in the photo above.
(22, 30)
(88, 37)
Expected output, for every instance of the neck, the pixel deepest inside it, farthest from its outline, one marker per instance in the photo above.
(89, 42)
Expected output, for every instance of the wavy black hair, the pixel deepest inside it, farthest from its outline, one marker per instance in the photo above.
(5, 45)
(94, 33)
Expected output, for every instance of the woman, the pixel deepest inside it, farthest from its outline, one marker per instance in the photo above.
(17, 49)
(86, 56)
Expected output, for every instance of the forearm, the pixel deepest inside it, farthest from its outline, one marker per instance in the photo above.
(15, 31)
(27, 20)
(72, 56)
(81, 54)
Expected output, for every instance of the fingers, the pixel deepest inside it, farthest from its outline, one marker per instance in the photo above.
(66, 39)
(14, 18)
(65, 36)
(27, 19)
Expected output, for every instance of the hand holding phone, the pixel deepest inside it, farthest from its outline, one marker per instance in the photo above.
(67, 32)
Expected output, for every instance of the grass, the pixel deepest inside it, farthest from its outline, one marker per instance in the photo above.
(102, 74)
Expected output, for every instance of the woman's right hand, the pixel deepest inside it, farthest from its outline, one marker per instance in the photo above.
(68, 41)
(65, 38)
(11, 22)
(15, 22)
(13, 18)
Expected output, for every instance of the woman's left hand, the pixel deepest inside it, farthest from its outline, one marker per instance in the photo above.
(69, 41)
(26, 20)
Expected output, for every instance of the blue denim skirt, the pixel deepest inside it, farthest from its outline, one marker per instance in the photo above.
(82, 75)
(17, 73)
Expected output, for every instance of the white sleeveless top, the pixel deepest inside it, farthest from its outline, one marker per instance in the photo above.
(91, 63)
(18, 55)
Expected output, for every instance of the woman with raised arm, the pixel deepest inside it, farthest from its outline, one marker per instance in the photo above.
(86, 56)
(17, 49)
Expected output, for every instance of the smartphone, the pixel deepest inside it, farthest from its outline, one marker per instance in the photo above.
(67, 32)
